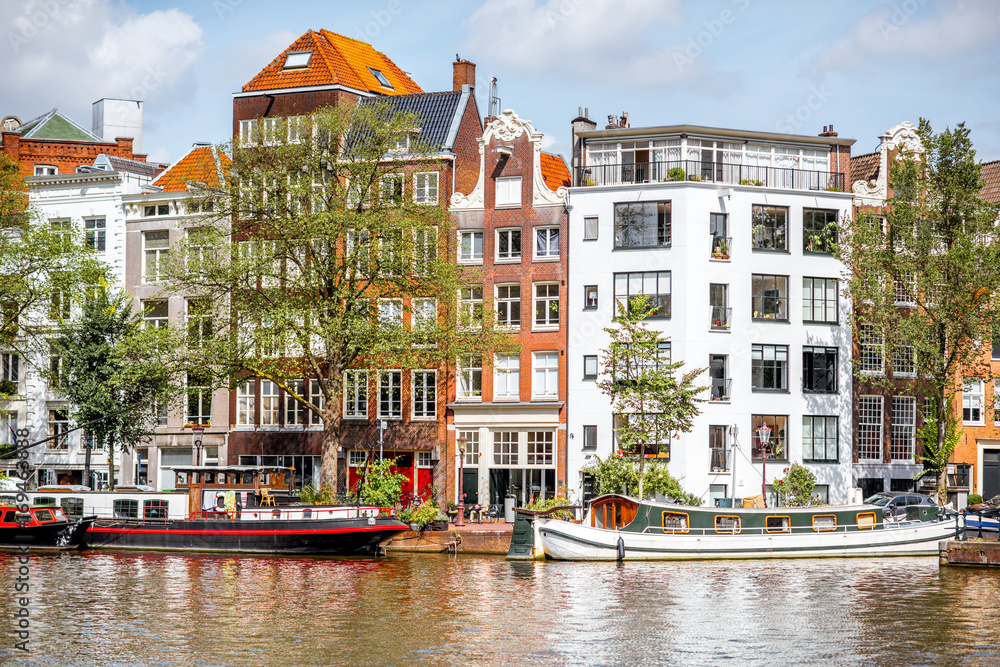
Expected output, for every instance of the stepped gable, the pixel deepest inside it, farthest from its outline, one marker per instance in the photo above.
(334, 60)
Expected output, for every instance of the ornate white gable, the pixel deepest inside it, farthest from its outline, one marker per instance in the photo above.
(874, 192)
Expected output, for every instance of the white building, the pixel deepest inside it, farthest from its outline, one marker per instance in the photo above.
(726, 231)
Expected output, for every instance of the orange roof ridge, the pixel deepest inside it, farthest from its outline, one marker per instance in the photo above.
(202, 164)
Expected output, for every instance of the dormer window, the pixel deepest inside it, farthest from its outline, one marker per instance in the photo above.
(46, 170)
(384, 82)
(403, 142)
(297, 59)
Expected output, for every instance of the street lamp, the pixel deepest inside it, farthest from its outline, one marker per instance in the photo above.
(460, 505)
(764, 436)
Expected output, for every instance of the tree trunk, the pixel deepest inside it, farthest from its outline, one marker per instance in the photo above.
(111, 467)
(329, 467)
(642, 468)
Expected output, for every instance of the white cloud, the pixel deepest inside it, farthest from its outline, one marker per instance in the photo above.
(610, 41)
(69, 53)
(914, 29)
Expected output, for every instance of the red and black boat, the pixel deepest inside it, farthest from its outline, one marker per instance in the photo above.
(40, 529)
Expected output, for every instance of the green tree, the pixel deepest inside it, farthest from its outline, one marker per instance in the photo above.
(114, 371)
(796, 487)
(619, 474)
(318, 260)
(650, 402)
(936, 253)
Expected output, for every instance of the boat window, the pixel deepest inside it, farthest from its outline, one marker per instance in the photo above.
(777, 524)
(676, 522)
(307, 514)
(126, 508)
(824, 522)
(9, 516)
(248, 478)
(275, 514)
(43, 500)
(44, 515)
(209, 478)
(72, 506)
(866, 520)
(59, 515)
(727, 524)
(8, 500)
(182, 479)
(154, 510)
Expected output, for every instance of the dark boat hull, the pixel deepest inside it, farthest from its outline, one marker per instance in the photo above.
(323, 536)
(57, 536)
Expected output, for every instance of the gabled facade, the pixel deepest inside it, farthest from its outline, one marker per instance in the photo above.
(507, 415)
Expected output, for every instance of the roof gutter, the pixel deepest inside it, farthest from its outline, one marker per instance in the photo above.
(456, 122)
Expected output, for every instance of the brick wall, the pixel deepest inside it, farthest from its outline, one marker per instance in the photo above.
(65, 155)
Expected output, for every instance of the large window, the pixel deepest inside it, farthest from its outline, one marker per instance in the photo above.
(545, 380)
(505, 448)
(904, 360)
(390, 395)
(469, 441)
(541, 448)
(294, 409)
(199, 393)
(904, 426)
(269, 402)
(508, 245)
(424, 394)
(547, 243)
(155, 245)
(655, 285)
(425, 187)
(95, 233)
(9, 367)
(819, 438)
(770, 227)
(58, 426)
(819, 230)
(776, 444)
(356, 394)
(872, 349)
(770, 297)
(470, 246)
(972, 401)
(470, 377)
(870, 428)
(423, 321)
(659, 443)
(819, 300)
(155, 314)
(507, 376)
(508, 302)
(424, 249)
(819, 369)
(470, 306)
(245, 404)
(642, 224)
(317, 398)
(199, 322)
(509, 191)
(546, 304)
(717, 448)
(769, 367)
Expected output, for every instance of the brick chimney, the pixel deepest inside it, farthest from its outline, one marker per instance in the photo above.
(828, 132)
(463, 74)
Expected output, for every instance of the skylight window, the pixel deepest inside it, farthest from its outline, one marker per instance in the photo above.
(381, 78)
(297, 59)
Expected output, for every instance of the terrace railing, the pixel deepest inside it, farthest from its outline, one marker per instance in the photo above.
(711, 172)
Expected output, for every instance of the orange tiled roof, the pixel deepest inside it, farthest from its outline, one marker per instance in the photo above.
(554, 171)
(199, 166)
(335, 60)
(990, 172)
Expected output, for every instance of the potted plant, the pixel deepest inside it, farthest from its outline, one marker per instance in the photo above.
(694, 177)
(440, 522)
(588, 181)
(675, 174)
(724, 248)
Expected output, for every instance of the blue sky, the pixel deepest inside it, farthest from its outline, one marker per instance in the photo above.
(749, 64)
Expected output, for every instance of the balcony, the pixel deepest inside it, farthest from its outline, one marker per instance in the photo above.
(720, 247)
(720, 318)
(720, 460)
(710, 172)
(720, 389)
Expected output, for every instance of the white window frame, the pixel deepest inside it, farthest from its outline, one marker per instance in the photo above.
(904, 428)
(270, 403)
(356, 394)
(248, 132)
(470, 257)
(390, 312)
(317, 399)
(544, 236)
(469, 378)
(471, 447)
(246, 403)
(507, 374)
(540, 449)
(591, 228)
(503, 305)
(547, 300)
(973, 401)
(157, 254)
(468, 305)
(425, 192)
(545, 375)
(95, 233)
(512, 257)
(426, 408)
(508, 192)
(394, 410)
(46, 170)
(393, 199)
(295, 412)
(871, 418)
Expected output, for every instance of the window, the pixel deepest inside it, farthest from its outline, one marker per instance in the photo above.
(541, 445)
(717, 447)
(9, 367)
(655, 285)
(390, 395)
(727, 524)
(297, 59)
(545, 382)
(199, 395)
(125, 508)
(384, 82)
(508, 245)
(769, 367)
(590, 437)
(294, 409)
(546, 304)
(245, 407)
(95, 234)
(156, 210)
(718, 301)
(155, 314)
(819, 438)
(547, 243)
(776, 444)
(904, 287)
(819, 369)
(590, 227)
(470, 377)
(425, 187)
(904, 426)
(155, 246)
(424, 250)
(770, 297)
(248, 133)
(390, 312)
(972, 401)
(57, 368)
(718, 371)
(470, 305)
(268, 403)
(904, 360)
(391, 262)
(423, 316)
(424, 460)
(356, 394)
(317, 398)
(424, 394)
(58, 426)
(199, 322)
(870, 428)
(154, 511)
(298, 128)
(469, 441)
(819, 300)
(505, 448)
(590, 367)
(590, 297)
(871, 344)
(46, 170)
(509, 191)
(642, 224)
(718, 228)
(470, 247)
(770, 227)
(358, 248)
(507, 376)
(59, 303)
(819, 230)
(391, 192)
(509, 305)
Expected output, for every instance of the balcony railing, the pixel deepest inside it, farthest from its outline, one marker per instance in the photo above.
(720, 246)
(720, 317)
(720, 460)
(720, 389)
(711, 172)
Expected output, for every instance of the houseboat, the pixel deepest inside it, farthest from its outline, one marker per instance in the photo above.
(40, 529)
(234, 509)
(622, 528)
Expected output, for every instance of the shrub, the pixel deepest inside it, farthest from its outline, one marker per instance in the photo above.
(974, 499)
(561, 498)
(379, 485)
(620, 474)
(313, 496)
(795, 489)
(676, 174)
(424, 514)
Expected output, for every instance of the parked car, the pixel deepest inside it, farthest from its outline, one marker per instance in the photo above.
(894, 503)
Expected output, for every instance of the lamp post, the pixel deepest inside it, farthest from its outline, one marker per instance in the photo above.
(764, 435)
(460, 505)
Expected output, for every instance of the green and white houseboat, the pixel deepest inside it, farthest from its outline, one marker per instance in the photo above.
(621, 528)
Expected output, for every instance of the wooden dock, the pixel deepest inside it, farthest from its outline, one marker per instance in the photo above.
(475, 538)
(978, 552)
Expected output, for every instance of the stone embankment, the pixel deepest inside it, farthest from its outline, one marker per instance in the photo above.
(475, 538)
(970, 552)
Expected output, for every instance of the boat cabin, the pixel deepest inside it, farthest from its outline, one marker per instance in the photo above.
(36, 516)
(253, 486)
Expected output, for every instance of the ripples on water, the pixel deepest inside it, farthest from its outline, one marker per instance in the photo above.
(125, 609)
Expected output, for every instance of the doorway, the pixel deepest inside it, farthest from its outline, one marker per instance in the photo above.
(991, 473)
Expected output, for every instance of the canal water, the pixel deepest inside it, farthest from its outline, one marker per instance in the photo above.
(143, 609)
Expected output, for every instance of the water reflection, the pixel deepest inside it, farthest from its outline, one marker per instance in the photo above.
(110, 609)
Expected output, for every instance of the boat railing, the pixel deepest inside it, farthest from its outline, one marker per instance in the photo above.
(294, 513)
(793, 530)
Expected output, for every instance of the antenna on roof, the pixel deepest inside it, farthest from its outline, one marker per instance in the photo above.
(494, 99)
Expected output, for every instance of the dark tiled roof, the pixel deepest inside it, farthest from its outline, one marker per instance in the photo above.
(135, 166)
(554, 171)
(865, 167)
(990, 172)
(437, 113)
